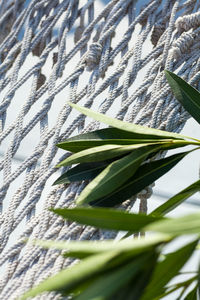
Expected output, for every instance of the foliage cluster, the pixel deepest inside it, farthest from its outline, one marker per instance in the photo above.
(118, 161)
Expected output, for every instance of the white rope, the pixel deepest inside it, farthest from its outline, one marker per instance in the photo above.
(108, 69)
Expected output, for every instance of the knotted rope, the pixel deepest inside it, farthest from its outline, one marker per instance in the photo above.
(109, 57)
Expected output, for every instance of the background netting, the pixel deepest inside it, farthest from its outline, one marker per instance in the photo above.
(107, 55)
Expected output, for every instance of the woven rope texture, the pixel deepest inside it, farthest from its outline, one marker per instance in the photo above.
(104, 55)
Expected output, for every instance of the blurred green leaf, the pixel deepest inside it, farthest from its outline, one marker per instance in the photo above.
(135, 246)
(143, 177)
(168, 269)
(67, 280)
(106, 218)
(140, 131)
(86, 248)
(85, 171)
(112, 282)
(141, 281)
(100, 153)
(135, 288)
(188, 96)
(192, 295)
(176, 200)
(115, 174)
(189, 224)
(180, 285)
(89, 269)
(198, 279)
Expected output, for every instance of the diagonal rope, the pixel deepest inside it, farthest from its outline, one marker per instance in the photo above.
(108, 57)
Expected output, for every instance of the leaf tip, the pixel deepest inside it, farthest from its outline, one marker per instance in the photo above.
(80, 202)
(55, 183)
(58, 166)
(71, 104)
(168, 74)
(59, 145)
(53, 210)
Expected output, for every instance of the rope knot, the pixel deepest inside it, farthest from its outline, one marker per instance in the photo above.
(183, 44)
(146, 193)
(187, 22)
(93, 56)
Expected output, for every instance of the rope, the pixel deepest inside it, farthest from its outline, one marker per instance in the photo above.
(108, 57)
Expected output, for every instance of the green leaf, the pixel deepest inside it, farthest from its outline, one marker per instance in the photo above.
(135, 246)
(83, 171)
(177, 199)
(140, 131)
(188, 96)
(192, 295)
(168, 269)
(143, 177)
(106, 218)
(86, 248)
(92, 267)
(198, 279)
(83, 145)
(135, 288)
(67, 280)
(115, 174)
(180, 285)
(100, 153)
(102, 137)
(189, 224)
(108, 284)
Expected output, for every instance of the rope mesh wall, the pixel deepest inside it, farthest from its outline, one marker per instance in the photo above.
(110, 59)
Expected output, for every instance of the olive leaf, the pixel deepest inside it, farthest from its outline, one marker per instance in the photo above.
(139, 131)
(176, 200)
(102, 137)
(106, 218)
(84, 171)
(144, 176)
(189, 224)
(99, 153)
(168, 269)
(188, 96)
(115, 174)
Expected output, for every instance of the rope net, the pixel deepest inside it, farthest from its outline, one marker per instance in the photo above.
(105, 55)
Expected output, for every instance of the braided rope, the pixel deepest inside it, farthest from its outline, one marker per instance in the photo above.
(114, 64)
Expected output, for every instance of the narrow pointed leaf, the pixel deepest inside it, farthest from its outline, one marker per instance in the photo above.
(102, 134)
(198, 281)
(85, 171)
(176, 200)
(70, 278)
(102, 137)
(180, 285)
(76, 146)
(142, 280)
(166, 270)
(86, 248)
(189, 224)
(141, 131)
(188, 96)
(109, 284)
(192, 294)
(115, 174)
(106, 218)
(92, 267)
(100, 153)
(144, 176)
